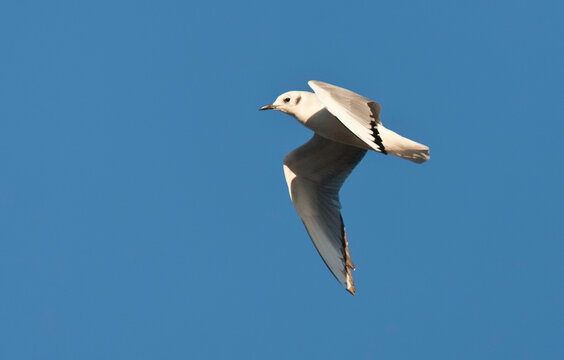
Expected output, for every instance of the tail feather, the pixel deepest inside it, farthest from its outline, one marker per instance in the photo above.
(397, 145)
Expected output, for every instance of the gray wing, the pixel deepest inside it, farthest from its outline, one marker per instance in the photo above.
(315, 173)
(362, 117)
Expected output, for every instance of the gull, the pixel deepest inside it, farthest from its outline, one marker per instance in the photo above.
(345, 126)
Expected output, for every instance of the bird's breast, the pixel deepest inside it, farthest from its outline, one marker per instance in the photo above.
(327, 125)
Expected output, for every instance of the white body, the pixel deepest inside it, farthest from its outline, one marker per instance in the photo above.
(332, 110)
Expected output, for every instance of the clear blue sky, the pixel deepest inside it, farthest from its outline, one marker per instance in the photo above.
(144, 213)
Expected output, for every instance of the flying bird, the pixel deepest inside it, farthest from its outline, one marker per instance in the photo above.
(345, 126)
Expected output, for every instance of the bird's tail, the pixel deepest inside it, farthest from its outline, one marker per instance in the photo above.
(397, 145)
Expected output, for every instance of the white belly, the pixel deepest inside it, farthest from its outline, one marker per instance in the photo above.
(327, 125)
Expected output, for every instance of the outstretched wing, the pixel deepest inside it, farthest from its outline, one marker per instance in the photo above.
(362, 116)
(315, 173)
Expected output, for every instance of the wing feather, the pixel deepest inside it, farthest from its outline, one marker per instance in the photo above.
(315, 173)
(362, 116)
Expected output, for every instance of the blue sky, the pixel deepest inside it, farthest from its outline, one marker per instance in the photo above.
(144, 213)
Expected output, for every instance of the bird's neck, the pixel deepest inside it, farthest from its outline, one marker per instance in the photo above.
(309, 105)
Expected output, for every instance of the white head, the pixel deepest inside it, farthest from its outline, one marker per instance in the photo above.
(300, 104)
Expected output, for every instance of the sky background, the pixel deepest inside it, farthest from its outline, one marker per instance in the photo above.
(143, 208)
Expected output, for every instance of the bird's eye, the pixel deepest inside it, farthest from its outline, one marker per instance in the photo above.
(287, 100)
